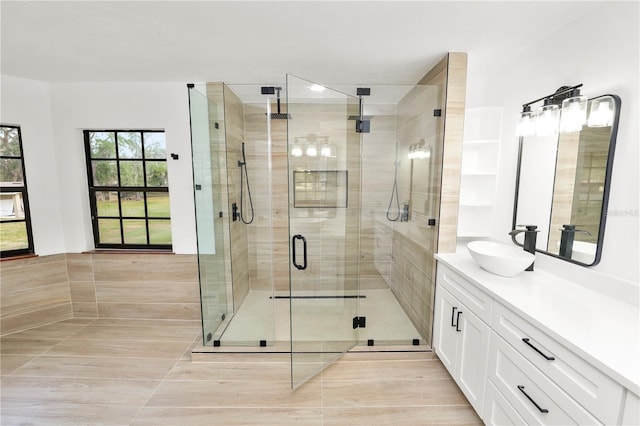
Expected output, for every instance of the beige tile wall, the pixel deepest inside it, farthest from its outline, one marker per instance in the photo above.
(47, 289)
(33, 292)
(430, 185)
(139, 286)
(234, 137)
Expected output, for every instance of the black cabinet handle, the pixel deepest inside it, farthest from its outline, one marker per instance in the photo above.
(304, 251)
(548, 358)
(453, 314)
(458, 321)
(542, 410)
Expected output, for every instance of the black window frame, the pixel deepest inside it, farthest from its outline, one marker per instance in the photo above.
(30, 250)
(93, 188)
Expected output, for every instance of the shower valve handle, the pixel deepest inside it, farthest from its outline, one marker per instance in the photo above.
(304, 251)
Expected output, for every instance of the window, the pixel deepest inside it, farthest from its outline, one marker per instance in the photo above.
(15, 221)
(128, 188)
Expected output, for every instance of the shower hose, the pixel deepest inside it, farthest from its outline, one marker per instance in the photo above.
(244, 175)
(394, 192)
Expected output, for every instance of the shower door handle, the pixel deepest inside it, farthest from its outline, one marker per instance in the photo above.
(304, 251)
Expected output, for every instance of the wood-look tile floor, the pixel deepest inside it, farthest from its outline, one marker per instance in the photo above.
(136, 372)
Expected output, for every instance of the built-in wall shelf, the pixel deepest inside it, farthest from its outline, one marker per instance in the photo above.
(480, 154)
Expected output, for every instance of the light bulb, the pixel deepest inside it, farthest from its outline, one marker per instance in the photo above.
(600, 113)
(312, 151)
(526, 125)
(296, 151)
(325, 151)
(574, 114)
(547, 120)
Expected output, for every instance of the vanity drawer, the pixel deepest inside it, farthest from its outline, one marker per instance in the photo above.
(497, 410)
(586, 384)
(468, 294)
(536, 398)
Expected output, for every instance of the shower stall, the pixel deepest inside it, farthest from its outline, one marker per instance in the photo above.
(316, 216)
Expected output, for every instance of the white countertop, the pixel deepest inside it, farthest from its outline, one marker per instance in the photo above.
(602, 330)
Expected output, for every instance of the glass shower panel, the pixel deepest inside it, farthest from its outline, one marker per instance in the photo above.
(420, 139)
(207, 144)
(249, 149)
(324, 224)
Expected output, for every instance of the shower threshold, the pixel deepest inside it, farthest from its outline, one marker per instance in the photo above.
(262, 324)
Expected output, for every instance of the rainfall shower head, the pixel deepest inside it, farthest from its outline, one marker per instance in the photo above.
(280, 116)
(357, 117)
(270, 90)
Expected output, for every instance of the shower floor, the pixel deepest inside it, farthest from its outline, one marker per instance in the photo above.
(263, 318)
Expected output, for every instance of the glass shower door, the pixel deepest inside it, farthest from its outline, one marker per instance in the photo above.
(324, 224)
(207, 145)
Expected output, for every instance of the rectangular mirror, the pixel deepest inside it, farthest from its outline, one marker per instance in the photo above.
(562, 185)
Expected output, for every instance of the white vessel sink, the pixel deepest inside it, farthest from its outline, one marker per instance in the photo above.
(501, 259)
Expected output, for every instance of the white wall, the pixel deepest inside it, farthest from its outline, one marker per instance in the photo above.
(27, 103)
(78, 106)
(601, 50)
(52, 117)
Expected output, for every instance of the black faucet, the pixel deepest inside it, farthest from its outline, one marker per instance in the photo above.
(530, 234)
(566, 240)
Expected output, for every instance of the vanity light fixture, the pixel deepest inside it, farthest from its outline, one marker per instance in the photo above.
(601, 113)
(325, 151)
(565, 110)
(311, 151)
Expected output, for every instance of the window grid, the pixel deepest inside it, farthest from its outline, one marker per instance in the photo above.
(120, 191)
(13, 245)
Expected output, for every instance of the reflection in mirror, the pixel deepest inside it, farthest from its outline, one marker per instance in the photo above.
(563, 185)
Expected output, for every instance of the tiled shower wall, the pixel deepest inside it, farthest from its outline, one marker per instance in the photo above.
(234, 137)
(46, 289)
(404, 251)
(271, 202)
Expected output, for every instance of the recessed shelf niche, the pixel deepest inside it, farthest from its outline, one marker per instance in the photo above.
(480, 154)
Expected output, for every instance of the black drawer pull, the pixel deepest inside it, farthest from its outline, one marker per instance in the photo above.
(548, 358)
(453, 314)
(542, 410)
(458, 321)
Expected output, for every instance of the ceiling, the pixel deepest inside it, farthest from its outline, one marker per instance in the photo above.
(332, 42)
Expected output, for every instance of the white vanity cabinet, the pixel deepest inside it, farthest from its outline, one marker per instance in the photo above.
(535, 349)
(461, 337)
(574, 377)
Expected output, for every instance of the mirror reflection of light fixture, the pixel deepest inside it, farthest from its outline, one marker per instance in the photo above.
(574, 112)
(419, 150)
(601, 113)
(317, 88)
(526, 126)
(312, 146)
(547, 119)
(325, 151)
